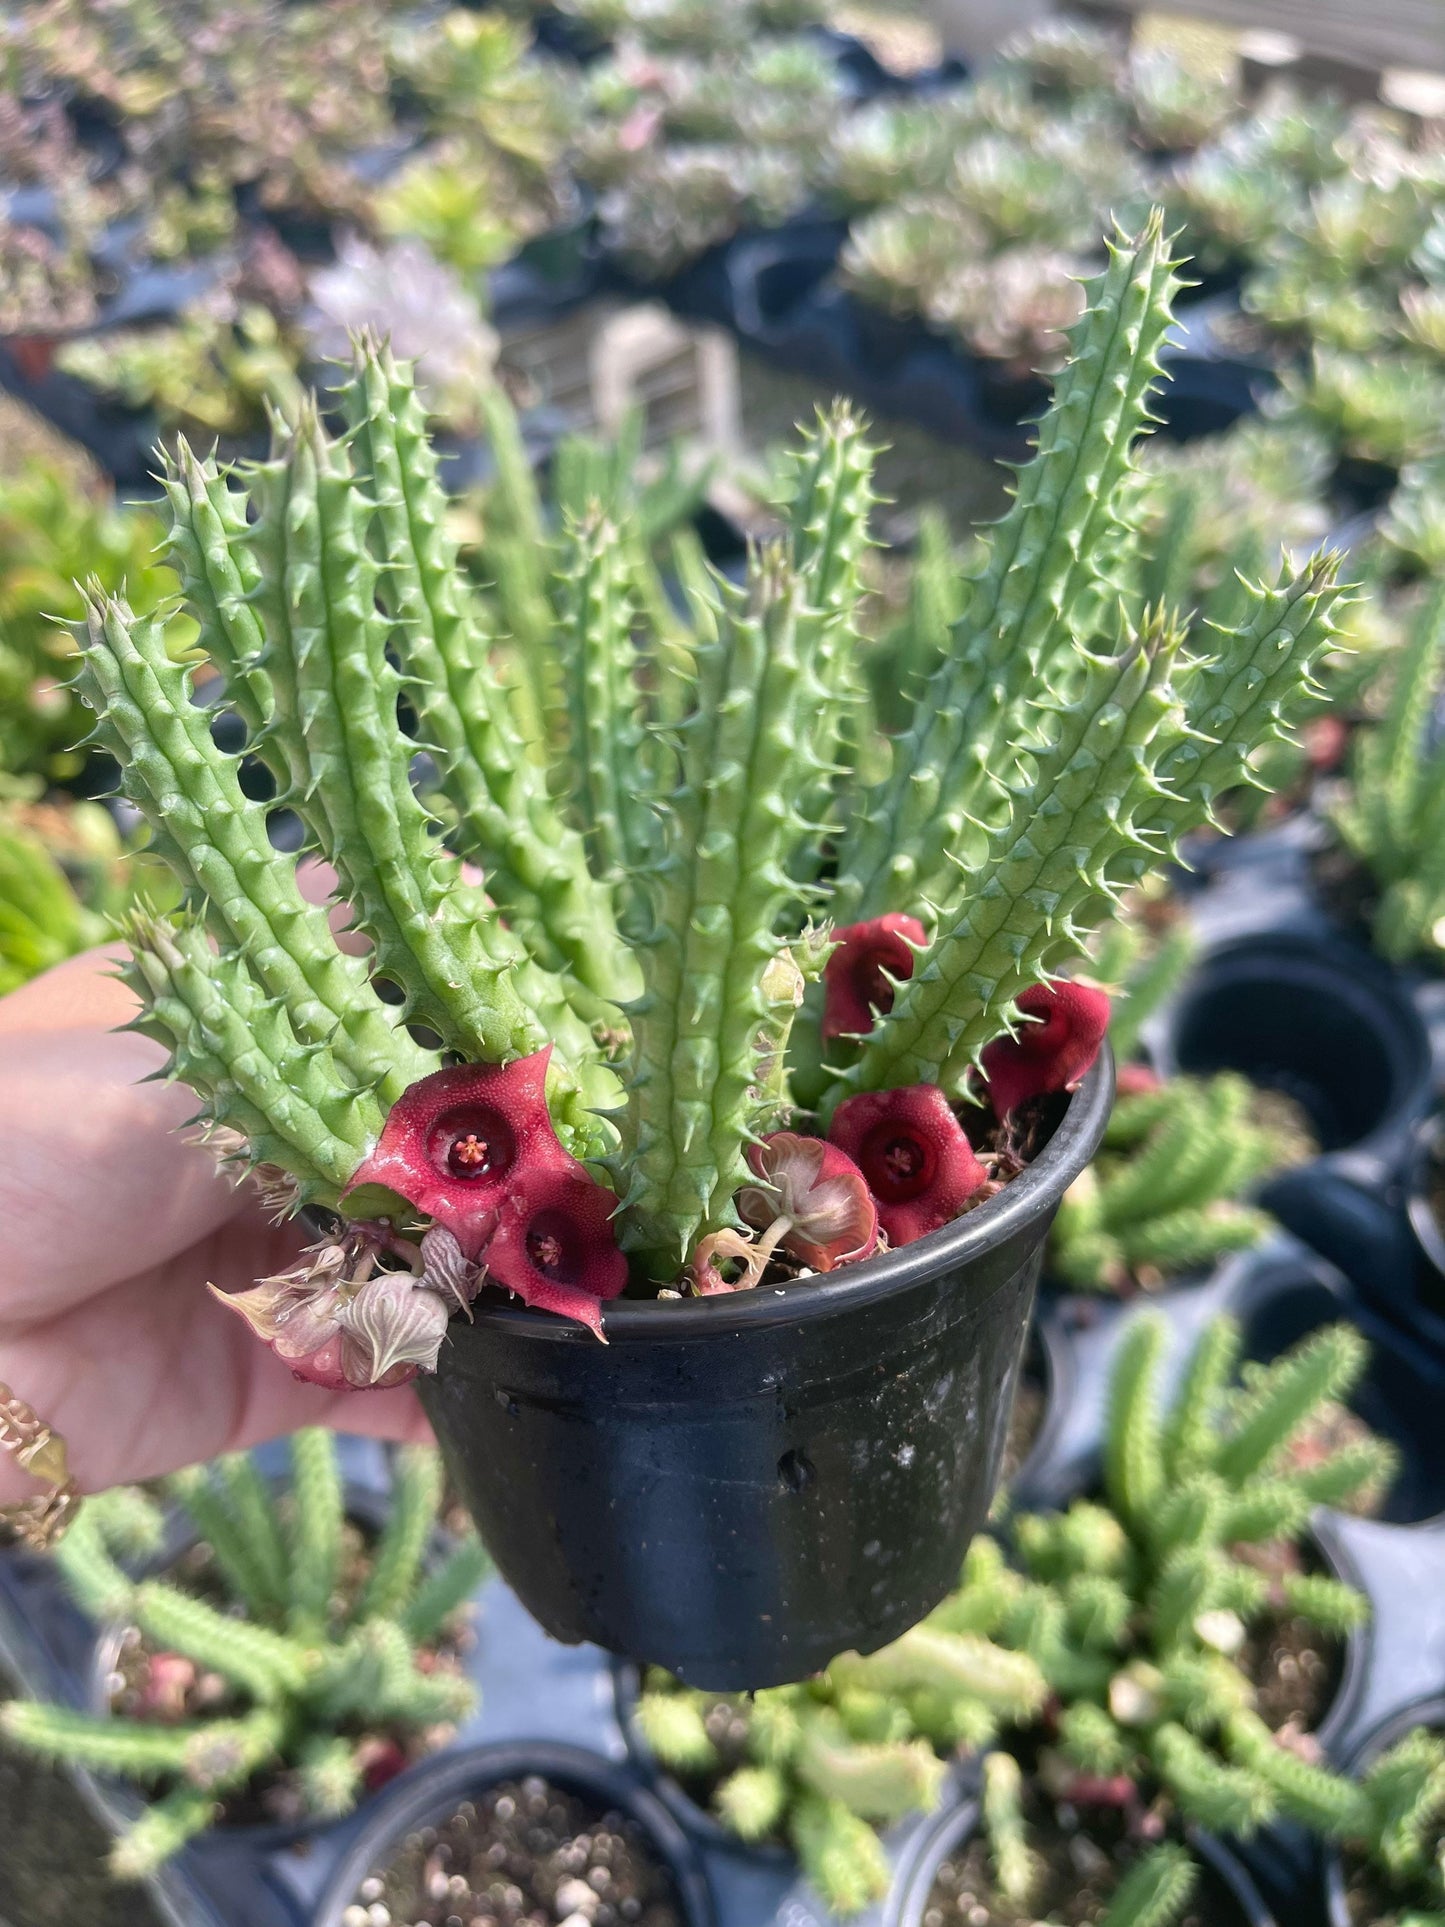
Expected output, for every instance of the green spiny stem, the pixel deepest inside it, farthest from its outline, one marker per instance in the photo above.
(160, 1833)
(234, 1045)
(1133, 1473)
(717, 893)
(1190, 1435)
(1155, 1891)
(1224, 1798)
(1096, 1611)
(1202, 1689)
(94, 1741)
(196, 1490)
(614, 782)
(753, 1801)
(374, 1673)
(1037, 596)
(253, 1509)
(1267, 1509)
(840, 1853)
(1392, 767)
(215, 840)
(1325, 1802)
(265, 1664)
(911, 652)
(1015, 1870)
(223, 1754)
(1193, 1237)
(673, 1725)
(959, 1662)
(879, 1782)
(432, 935)
(1406, 1791)
(1176, 1169)
(1188, 1515)
(1324, 1366)
(1327, 1603)
(516, 541)
(535, 867)
(1252, 685)
(415, 1499)
(986, 1587)
(220, 576)
(1091, 1739)
(1092, 775)
(331, 1776)
(1188, 1585)
(828, 509)
(445, 1591)
(1346, 1473)
(92, 1577)
(317, 1521)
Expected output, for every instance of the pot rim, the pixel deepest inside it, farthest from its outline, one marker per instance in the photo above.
(1034, 1192)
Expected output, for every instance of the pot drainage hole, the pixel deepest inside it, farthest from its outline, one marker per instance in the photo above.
(523, 1853)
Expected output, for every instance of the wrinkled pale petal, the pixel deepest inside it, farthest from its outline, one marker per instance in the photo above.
(391, 1329)
(446, 1267)
(820, 1192)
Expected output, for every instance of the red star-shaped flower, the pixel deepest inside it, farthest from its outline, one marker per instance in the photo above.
(913, 1153)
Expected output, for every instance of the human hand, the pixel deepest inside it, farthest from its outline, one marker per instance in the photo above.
(112, 1221)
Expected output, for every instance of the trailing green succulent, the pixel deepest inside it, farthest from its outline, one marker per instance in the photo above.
(1139, 1608)
(824, 1765)
(297, 1654)
(631, 986)
(1166, 1194)
(1393, 819)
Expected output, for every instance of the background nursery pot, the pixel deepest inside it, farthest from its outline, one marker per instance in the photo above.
(740, 1488)
(428, 1793)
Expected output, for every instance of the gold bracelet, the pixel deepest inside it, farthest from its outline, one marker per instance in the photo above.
(41, 1452)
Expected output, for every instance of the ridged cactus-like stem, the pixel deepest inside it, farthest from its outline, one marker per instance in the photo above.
(215, 839)
(432, 934)
(613, 758)
(317, 1521)
(1092, 773)
(1039, 596)
(534, 865)
(231, 1042)
(717, 891)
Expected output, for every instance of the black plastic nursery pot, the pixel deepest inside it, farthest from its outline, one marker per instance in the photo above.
(1236, 1901)
(430, 1792)
(740, 1488)
(1314, 1017)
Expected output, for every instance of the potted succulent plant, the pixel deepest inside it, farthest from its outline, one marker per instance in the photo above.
(271, 1664)
(637, 1061)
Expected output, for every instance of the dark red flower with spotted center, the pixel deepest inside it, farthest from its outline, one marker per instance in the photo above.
(455, 1143)
(859, 977)
(554, 1244)
(1064, 1025)
(913, 1153)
